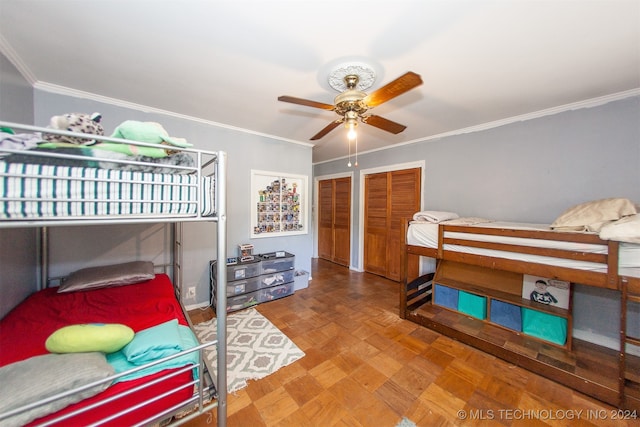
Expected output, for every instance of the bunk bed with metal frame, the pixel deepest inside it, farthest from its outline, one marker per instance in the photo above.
(54, 189)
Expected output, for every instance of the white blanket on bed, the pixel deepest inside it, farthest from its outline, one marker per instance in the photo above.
(470, 220)
(434, 216)
(626, 229)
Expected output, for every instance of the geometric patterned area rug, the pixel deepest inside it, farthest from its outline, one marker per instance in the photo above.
(255, 347)
(406, 422)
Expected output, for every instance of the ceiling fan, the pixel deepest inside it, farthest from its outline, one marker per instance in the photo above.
(352, 104)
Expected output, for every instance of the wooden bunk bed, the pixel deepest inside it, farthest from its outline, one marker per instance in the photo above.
(489, 261)
(78, 186)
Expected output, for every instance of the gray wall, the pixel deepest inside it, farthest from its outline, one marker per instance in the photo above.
(16, 94)
(17, 246)
(529, 171)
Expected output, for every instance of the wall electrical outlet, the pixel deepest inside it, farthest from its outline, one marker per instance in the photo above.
(191, 292)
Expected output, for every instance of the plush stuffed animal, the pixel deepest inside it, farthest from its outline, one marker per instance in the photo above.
(150, 132)
(75, 122)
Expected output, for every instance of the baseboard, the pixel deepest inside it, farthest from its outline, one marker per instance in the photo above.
(196, 306)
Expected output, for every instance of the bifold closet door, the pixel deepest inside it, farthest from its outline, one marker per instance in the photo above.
(389, 197)
(376, 223)
(334, 220)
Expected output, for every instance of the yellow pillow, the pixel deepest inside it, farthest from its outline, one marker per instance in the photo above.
(107, 338)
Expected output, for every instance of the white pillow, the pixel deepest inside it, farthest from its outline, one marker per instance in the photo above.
(592, 216)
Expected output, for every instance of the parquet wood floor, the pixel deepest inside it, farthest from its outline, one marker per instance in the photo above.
(364, 366)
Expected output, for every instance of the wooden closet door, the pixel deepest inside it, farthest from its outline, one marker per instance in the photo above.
(404, 202)
(325, 219)
(334, 220)
(389, 197)
(376, 223)
(342, 221)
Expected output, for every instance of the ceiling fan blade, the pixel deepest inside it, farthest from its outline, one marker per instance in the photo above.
(306, 102)
(384, 124)
(331, 126)
(395, 88)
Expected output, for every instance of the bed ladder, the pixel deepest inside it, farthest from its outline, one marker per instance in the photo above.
(629, 375)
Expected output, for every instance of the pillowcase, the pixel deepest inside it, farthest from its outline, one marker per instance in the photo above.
(39, 377)
(592, 216)
(626, 229)
(154, 343)
(107, 338)
(109, 275)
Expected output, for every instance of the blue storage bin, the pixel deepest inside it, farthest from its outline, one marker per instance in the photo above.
(544, 326)
(445, 297)
(507, 315)
(473, 305)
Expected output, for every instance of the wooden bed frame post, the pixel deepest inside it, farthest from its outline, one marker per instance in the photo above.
(612, 264)
(623, 344)
(404, 267)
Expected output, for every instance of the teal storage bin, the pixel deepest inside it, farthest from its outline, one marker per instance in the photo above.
(544, 326)
(445, 297)
(507, 315)
(473, 305)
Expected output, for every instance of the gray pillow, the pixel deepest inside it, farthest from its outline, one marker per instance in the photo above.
(108, 275)
(39, 377)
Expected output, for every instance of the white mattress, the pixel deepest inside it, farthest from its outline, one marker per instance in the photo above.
(426, 235)
(77, 192)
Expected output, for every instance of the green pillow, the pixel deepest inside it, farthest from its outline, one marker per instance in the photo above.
(107, 338)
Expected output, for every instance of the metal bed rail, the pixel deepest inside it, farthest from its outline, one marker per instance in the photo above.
(203, 398)
(206, 165)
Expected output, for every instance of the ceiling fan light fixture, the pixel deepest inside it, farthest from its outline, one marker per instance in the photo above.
(351, 122)
(351, 133)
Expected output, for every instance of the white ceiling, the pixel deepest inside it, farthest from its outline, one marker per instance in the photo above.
(227, 61)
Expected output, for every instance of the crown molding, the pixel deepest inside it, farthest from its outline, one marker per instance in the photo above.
(66, 91)
(7, 50)
(588, 103)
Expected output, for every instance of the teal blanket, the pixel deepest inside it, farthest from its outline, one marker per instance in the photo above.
(152, 344)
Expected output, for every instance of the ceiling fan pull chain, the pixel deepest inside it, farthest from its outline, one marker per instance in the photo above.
(356, 163)
(349, 144)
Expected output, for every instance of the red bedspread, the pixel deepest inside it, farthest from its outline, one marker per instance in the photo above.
(25, 329)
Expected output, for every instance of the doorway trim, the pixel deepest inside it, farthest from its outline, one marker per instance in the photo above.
(359, 264)
(314, 210)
